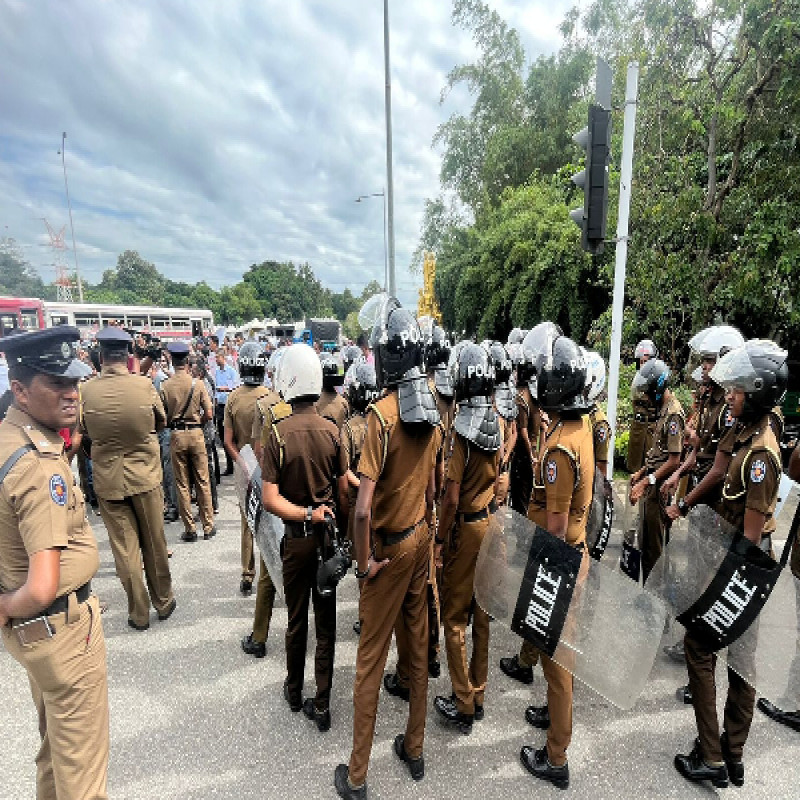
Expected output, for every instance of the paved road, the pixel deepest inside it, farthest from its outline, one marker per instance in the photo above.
(192, 717)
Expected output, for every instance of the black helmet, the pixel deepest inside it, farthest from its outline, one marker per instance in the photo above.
(252, 363)
(362, 388)
(350, 355)
(437, 351)
(501, 362)
(651, 380)
(330, 372)
(538, 340)
(472, 373)
(561, 376)
(396, 342)
(759, 369)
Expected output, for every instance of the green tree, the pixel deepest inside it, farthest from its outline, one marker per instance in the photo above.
(17, 276)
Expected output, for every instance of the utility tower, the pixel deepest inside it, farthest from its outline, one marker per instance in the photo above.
(63, 284)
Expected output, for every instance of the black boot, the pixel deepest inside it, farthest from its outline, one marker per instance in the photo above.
(538, 716)
(448, 710)
(735, 765)
(416, 766)
(392, 685)
(515, 670)
(537, 763)
(343, 787)
(693, 768)
(322, 718)
(789, 718)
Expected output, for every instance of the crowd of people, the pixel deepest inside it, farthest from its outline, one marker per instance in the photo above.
(396, 454)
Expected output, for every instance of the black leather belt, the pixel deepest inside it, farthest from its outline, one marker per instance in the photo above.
(60, 604)
(299, 530)
(476, 516)
(643, 418)
(185, 426)
(389, 539)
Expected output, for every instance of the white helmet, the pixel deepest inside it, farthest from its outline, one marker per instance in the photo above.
(595, 375)
(645, 348)
(299, 374)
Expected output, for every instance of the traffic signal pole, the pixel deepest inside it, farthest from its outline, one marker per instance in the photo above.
(625, 180)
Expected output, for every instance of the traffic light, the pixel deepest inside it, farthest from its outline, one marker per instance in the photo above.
(596, 140)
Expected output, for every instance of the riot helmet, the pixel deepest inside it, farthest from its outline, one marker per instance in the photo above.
(362, 387)
(561, 376)
(759, 369)
(473, 373)
(395, 340)
(299, 374)
(595, 375)
(537, 341)
(437, 350)
(350, 355)
(330, 372)
(651, 380)
(645, 349)
(711, 343)
(252, 363)
(501, 362)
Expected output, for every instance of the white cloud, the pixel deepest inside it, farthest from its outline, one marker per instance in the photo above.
(209, 136)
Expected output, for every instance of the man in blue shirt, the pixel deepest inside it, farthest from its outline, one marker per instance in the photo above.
(226, 379)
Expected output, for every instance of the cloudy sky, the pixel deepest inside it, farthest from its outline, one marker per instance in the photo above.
(209, 135)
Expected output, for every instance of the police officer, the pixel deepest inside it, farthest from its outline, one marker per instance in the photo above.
(601, 428)
(350, 355)
(122, 413)
(562, 495)
(395, 502)
(331, 404)
(299, 469)
(188, 405)
(644, 415)
(755, 377)
(506, 406)
(662, 459)
(472, 475)
(49, 620)
(240, 411)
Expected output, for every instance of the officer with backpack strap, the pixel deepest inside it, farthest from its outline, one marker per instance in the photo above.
(49, 619)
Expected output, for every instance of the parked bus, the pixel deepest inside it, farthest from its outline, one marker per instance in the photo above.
(21, 313)
(166, 323)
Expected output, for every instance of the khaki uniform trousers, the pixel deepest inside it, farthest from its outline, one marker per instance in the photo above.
(701, 664)
(503, 482)
(69, 684)
(248, 554)
(655, 528)
(468, 677)
(265, 600)
(136, 533)
(188, 451)
(398, 591)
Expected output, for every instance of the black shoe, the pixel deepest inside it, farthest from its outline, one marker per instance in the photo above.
(735, 765)
(434, 669)
(391, 684)
(294, 702)
(538, 716)
(693, 768)
(684, 695)
(253, 648)
(132, 624)
(343, 787)
(416, 766)
(216, 509)
(322, 718)
(535, 761)
(676, 653)
(189, 536)
(789, 718)
(246, 587)
(167, 612)
(515, 670)
(357, 627)
(171, 516)
(210, 534)
(478, 712)
(448, 710)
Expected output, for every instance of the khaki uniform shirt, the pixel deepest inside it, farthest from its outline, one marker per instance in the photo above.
(266, 402)
(332, 406)
(563, 478)
(353, 432)
(174, 392)
(476, 471)
(240, 412)
(301, 455)
(642, 431)
(668, 437)
(713, 422)
(529, 417)
(753, 476)
(121, 413)
(506, 432)
(601, 433)
(41, 508)
(400, 462)
(445, 406)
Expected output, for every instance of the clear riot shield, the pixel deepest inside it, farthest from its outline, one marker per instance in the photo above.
(600, 518)
(737, 598)
(591, 620)
(267, 529)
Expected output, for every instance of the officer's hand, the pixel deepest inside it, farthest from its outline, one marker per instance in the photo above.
(319, 513)
(374, 568)
(672, 512)
(637, 490)
(669, 487)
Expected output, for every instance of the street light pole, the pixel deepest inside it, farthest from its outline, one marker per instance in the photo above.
(392, 287)
(71, 226)
(382, 194)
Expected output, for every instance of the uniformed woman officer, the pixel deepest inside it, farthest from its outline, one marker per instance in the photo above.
(49, 619)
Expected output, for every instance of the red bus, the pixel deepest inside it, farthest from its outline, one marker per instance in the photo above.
(21, 313)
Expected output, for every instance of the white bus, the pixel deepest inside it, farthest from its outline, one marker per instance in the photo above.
(167, 323)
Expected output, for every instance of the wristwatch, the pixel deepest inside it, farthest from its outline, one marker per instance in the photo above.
(362, 575)
(309, 512)
(651, 479)
(683, 507)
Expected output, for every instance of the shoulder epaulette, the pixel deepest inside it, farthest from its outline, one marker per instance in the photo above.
(279, 411)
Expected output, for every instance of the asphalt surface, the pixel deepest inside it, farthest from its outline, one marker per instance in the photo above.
(192, 717)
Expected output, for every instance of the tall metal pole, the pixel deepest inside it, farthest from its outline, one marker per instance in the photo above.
(385, 254)
(625, 179)
(389, 183)
(69, 206)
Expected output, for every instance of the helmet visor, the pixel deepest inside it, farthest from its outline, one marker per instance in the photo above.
(735, 370)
